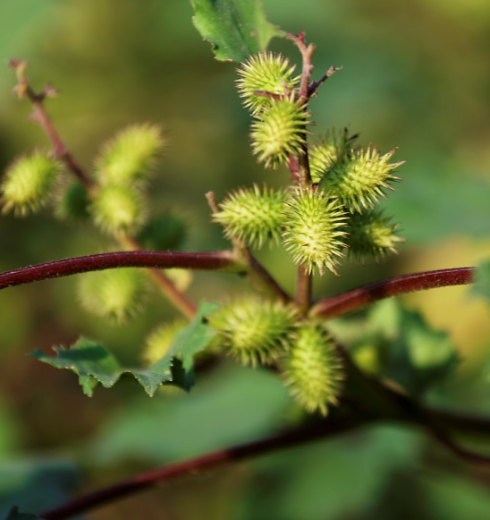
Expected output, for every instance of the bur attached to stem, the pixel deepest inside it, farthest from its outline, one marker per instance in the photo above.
(118, 208)
(115, 294)
(129, 158)
(280, 131)
(265, 73)
(360, 179)
(30, 182)
(254, 331)
(372, 236)
(253, 216)
(315, 230)
(313, 370)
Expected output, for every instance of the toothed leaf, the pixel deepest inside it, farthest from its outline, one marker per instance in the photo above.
(95, 365)
(235, 28)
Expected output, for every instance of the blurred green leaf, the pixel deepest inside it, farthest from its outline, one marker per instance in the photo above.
(452, 497)
(167, 231)
(235, 28)
(234, 406)
(482, 280)
(15, 514)
(95, 365)
(340, 478)
(398, 344)
(35, 485)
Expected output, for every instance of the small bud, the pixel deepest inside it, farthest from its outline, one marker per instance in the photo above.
(266, 72)
(253, 216)
(161, 339)
(116, 294)
(129, 158)
(72, 203)
(315, 230)
(118, 208)
(30, 182)
(313, 369)
(254, 331)
(371, 236)
(279, 131)
(162, 233)
(359, 180)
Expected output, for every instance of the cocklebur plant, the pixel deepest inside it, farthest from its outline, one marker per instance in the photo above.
(318, 218)
(325, 214)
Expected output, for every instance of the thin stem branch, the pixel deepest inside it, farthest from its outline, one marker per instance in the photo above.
(307, 52)
(265, 278)
(179, 299)
(460, 451)
(315, 85)
(221, 260)
(40, 116)
(359, 298)
(147, 480)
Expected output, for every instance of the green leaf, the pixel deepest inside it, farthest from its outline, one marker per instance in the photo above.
(482, 280)
(95, 365)
(398, 344)
(235, 28)
(35, 484)
(244, 404)
(355, 467)
(15, 514)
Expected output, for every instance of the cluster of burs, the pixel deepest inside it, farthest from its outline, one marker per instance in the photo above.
(320, 219)
(325, 215)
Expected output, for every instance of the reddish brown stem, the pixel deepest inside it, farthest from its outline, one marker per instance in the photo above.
(221, 260)
(359, 298)
(304, 290)
(147, 480)
(60, 150)
(178, 298)
(316, 84)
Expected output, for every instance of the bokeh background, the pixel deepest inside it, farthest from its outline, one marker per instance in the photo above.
(415, 76)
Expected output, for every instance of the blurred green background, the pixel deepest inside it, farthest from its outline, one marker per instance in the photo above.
(415, 76)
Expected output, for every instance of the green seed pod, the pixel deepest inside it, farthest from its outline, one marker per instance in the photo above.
(161, 339)
(359, 180)
(129, 158)
(266, 72)
(313, 369)
(30, 182)
(371, 236)
(329, 151)
(254, 331)
(165, 232)
(279, 131)
(116, 294)
(253, 216)
(315, 230)
(72, 203)
(117, 208)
